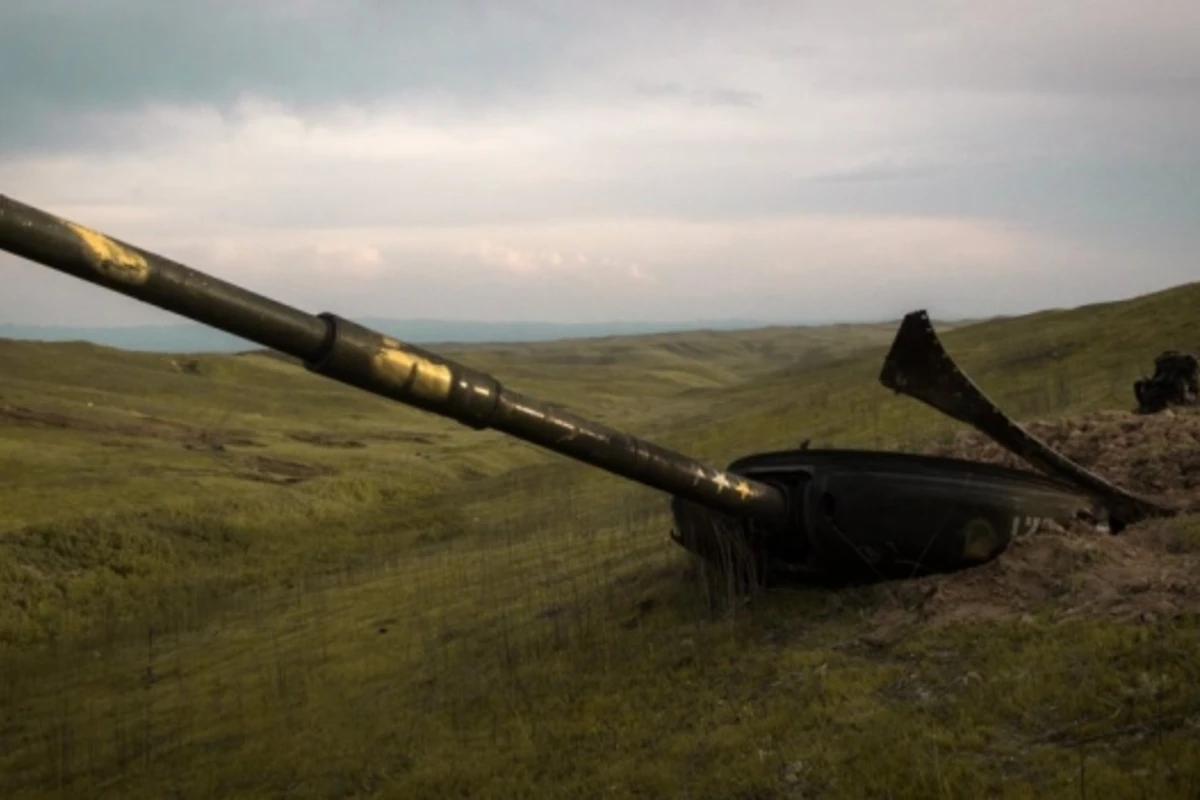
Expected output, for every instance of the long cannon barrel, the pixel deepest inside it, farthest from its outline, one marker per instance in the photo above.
(355, 355)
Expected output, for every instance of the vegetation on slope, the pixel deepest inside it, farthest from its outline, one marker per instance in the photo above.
(448, 614)
(136, 479)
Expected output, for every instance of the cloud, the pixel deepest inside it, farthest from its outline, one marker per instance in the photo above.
(565, 159)
(519, 262)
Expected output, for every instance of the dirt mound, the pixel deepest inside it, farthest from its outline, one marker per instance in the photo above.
(325, 440)
(1145, 574)
(50, 419)
(1155, 455)
(282, 471)
(137, 426)
(207, 440)
(406, 437)
(188, 366)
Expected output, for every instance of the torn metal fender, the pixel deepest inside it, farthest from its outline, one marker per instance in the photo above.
(919, 366)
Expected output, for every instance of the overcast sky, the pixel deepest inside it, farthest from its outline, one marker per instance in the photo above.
(649, 160)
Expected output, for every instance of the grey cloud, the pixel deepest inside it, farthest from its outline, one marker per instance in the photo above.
(62, 57)
(1090, 197)
(1078, 121)
(1091, 46)
(718, 96)
(78, 56)
(733, 97)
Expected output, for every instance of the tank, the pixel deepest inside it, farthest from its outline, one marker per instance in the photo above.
(813, 515)
(1175, 382)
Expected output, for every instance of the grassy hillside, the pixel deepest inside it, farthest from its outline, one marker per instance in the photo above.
(221, 575)
(185, 470)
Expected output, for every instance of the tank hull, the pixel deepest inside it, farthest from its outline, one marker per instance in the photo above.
(863, 515)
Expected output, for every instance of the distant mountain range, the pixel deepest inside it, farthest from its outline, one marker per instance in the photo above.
(194, 338)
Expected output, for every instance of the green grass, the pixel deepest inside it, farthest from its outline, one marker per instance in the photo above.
(439, 612)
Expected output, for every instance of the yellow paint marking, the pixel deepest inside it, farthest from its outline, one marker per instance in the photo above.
(110, 259)
(399, 367)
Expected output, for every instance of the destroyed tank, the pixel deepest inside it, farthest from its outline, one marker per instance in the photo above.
(806, 514)
(1175, 382)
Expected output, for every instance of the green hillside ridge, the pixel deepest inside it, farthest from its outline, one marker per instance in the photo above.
(222, 575)
(191, 337)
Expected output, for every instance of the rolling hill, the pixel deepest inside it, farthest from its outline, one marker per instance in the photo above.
(220, 574)
(190, 337)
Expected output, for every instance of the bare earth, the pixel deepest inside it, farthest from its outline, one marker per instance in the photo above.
(1143, 575)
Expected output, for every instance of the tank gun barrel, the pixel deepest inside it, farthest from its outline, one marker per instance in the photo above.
(352, 354)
